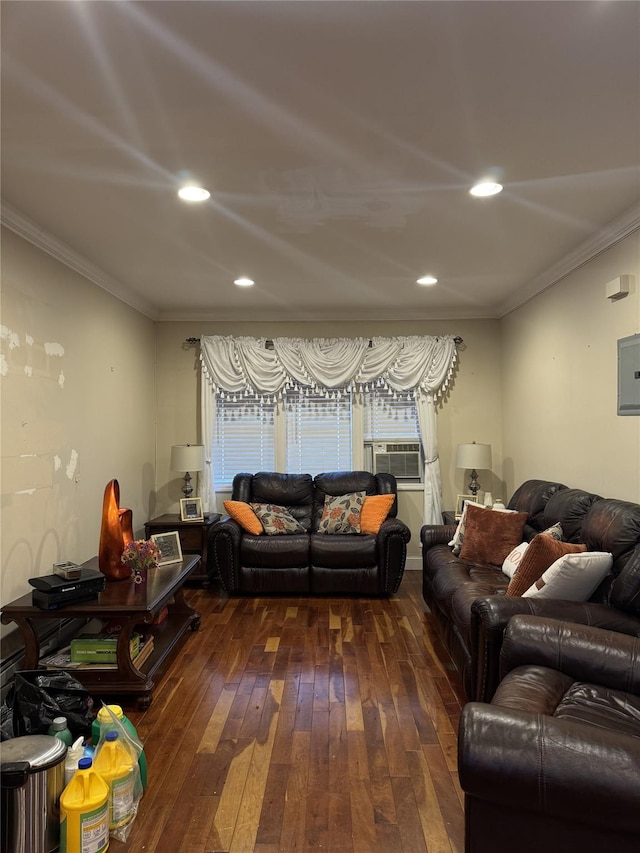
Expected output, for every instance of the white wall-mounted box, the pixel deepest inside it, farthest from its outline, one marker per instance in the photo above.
(618, 287)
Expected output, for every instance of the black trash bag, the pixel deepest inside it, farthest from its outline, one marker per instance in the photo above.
(6, 722)
(37, 696)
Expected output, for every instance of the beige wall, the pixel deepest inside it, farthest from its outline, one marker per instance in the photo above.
(91, 390)
(77, 409)
(470, 411)
(560, 381)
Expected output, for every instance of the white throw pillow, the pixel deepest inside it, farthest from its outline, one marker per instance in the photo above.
(512, 561)
(573, 577)
(458, 536)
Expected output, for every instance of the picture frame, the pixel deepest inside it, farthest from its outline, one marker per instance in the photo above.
(191, 509)
(170, 547)
(460, 501)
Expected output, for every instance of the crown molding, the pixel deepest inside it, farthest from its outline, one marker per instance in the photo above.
(604, 239)
(619, 228)
(32, 233)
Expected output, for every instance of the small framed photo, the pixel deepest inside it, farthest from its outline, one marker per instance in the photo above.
(170, 548)
(460, 502)
(191, 509)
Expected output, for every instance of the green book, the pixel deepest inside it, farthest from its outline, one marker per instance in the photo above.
(100, 648)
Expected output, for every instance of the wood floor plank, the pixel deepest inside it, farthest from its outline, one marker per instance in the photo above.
(303, 724)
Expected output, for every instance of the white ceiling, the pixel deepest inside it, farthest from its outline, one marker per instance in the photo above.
(338, 140)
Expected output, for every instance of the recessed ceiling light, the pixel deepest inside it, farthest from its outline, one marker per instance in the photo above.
(485, 188)
(427, 280)
(190, 192)
(244, 282)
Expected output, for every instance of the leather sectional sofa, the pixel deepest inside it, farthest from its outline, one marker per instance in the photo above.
(308, 562)
(468, 601)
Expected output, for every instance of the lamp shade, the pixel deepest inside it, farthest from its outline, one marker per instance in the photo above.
(187, 457)
(474, 456)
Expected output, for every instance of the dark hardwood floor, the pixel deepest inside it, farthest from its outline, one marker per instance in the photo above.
(303, 724)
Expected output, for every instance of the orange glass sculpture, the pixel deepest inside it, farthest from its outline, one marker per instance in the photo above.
(116, 531)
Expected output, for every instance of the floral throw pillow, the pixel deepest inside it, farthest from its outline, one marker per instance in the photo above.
(277, 520)
(341, 514)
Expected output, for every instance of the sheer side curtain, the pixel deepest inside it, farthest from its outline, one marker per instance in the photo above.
(421, 365)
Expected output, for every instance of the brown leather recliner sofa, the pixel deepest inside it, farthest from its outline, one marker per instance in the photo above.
(310, 562)
(468, 600)
(553, 763)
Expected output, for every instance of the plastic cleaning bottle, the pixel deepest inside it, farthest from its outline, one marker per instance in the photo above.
(59, 729)
(105, 721)
(84, 812)
(115, 763)
(74, 754)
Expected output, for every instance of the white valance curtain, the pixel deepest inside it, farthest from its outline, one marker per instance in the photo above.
(421, 365)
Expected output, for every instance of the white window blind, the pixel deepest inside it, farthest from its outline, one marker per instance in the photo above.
(386, 418)
(244, 439)
(318, 433)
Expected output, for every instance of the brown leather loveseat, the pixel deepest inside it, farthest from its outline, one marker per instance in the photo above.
(553, 763)
(308, 562)
(468, 601)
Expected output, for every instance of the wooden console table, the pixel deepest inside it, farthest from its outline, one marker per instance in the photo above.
(135, 606)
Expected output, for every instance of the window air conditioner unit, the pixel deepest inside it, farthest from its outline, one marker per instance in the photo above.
(400, 458)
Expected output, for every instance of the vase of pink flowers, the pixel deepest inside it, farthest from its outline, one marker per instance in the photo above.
(141, 555)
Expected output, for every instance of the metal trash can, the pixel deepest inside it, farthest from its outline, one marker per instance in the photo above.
(32, 776)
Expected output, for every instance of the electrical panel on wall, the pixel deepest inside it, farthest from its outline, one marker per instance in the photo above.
(629, 375)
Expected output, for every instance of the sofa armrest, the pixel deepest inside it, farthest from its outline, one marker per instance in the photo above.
(580, 651)
(392, 539)
(436, 534)
(223, 553)
(533, 763)
(490, 615)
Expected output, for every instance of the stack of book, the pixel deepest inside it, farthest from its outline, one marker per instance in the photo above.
(101, 648)
(97, 651)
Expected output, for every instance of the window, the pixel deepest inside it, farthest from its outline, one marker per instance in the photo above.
(308, 432)
(387, 418)
(318, 432)
(244, 439)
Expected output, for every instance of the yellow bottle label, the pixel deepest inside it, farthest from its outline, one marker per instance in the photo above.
(94, 830)
(121, 800)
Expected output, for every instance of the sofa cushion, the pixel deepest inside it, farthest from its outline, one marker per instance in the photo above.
(293, 491)
(342, 552)
(569, 507)
(601, 706)
(336, 483)
(275, 552)
(573, 577)
(490, 536)
(276, 520)
(242, 513)
(341, 514)
(541, 553)
(375, 509)
(532, 497)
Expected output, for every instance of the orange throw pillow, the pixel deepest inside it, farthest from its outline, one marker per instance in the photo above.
(245, 516)
(491, 535)
(543, 551)
(374, 511)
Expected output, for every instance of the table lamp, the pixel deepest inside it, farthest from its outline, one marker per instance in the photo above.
(474, 456)
(187, 458)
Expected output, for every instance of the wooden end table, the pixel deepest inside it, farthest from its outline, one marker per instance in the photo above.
(133, 605)
(194, 538)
